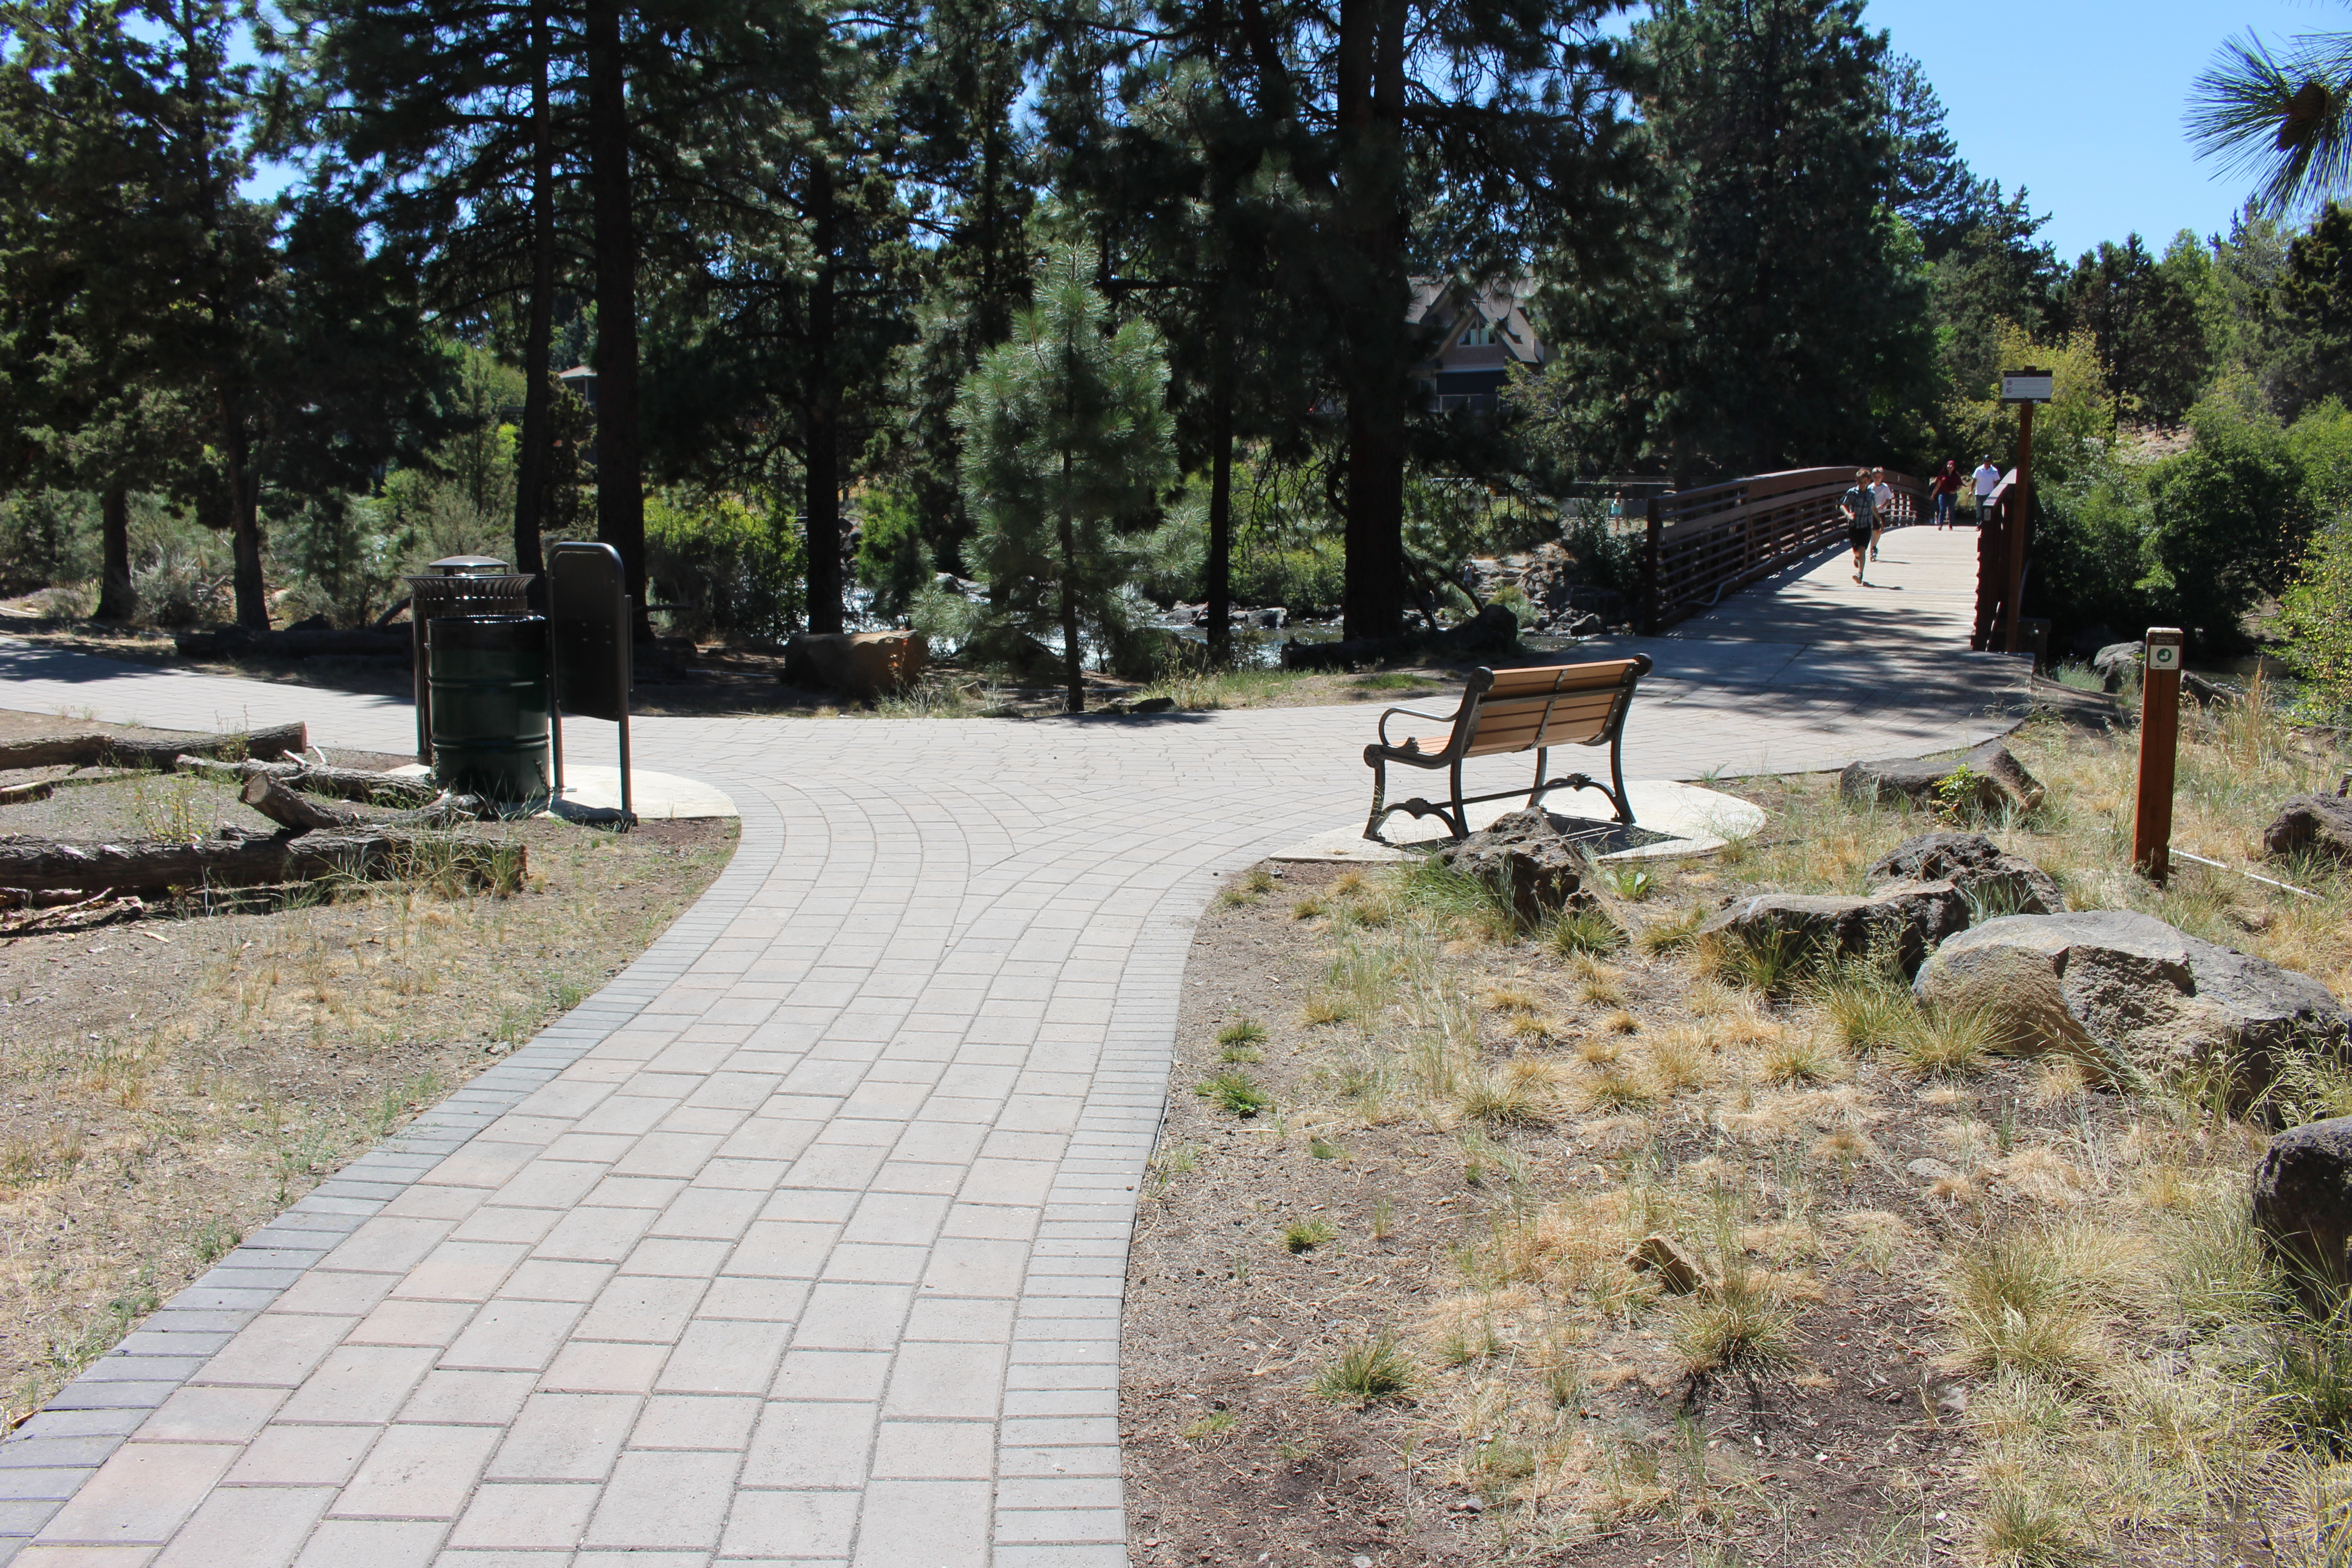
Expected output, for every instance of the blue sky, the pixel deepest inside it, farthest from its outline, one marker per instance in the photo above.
(2081, 102)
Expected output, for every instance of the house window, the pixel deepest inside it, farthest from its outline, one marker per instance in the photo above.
(1480, 336)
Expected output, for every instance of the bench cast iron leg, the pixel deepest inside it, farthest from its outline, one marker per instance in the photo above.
(1381, 808)
(1535, 795)
(1461, 811)
(1617, 774)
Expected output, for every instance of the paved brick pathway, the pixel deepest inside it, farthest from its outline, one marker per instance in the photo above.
(803, 1240)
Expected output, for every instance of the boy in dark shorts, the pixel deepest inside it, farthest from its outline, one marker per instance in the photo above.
(1860, 508)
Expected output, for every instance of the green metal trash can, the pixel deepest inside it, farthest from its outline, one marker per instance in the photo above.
(489, 694)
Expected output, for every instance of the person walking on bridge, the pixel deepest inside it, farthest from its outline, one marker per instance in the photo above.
(1860, 508)
(1882, 508)
(1987, 480)
(1947, 492)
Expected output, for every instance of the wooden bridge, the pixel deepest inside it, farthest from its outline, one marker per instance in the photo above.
(1703, 544)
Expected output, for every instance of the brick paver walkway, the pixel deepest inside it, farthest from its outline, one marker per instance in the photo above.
(803, 1240)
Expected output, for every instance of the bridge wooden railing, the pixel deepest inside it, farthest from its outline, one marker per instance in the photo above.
(1704, 543)
(2001, 561)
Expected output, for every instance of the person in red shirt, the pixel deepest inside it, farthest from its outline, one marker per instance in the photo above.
(1947, 492)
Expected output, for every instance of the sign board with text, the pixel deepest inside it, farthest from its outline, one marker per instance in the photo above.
(2027, 385)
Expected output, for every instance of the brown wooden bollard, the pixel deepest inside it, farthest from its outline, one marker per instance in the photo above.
(2159, 741)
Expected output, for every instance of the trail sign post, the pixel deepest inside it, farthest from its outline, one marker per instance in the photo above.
(2025, 388)
(2160, 740)
(588, 631)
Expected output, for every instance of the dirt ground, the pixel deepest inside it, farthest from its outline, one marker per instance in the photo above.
(1231, 1454)
(1953, 1306)
(168, 1082)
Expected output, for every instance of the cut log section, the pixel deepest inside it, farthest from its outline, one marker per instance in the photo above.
(267, 794)
(299, 811)
(233, 858)
(124, 751)
(319, 778)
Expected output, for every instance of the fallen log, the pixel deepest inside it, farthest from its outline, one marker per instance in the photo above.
(289, 809)
(124, 751)
(233, 858)
(320, 778)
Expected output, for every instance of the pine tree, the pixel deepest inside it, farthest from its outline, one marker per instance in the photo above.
(84, 319)
(456, 129)
(1803, 298)
(1065, 434)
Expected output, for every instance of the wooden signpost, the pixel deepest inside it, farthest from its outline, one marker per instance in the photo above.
(2025, 388)
(2160, 740)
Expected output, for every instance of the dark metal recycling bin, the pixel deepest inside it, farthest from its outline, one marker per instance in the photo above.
(489, 693)
(456, 586)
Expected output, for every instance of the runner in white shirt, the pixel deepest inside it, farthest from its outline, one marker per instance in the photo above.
(1988, 480)
(1882, 510)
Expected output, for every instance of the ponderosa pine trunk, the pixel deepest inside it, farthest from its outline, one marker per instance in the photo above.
(1220, 511)
(116, 602)
(244, 516)
(531, 460)
(620, 492)
(820, 423)
(1073, 662)
(1371, 127)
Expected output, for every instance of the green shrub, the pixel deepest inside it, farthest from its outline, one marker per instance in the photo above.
(893, 562)
(742, 572)
(2316, 616)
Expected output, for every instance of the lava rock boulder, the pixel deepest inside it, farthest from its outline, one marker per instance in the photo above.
(1528, 854)
(2302, 1199)
(2318, 824)
(1983, 872)
(1987, 780)
(2134, 998)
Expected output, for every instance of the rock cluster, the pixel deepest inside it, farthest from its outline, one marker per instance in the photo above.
(1921, 893)
(1545, 577)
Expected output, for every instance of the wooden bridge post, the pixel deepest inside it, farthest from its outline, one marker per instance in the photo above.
(1652, 612)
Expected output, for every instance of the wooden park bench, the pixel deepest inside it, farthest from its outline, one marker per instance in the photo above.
(1506, 710)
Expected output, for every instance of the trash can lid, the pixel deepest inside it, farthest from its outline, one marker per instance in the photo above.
(469, 566)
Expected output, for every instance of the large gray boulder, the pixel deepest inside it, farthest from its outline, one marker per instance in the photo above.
(1978, 867)
(2302, 1199)
(1906, 920)
(2115, 661)
(2133, 998)
(2317, 824)
(1994, 781)
(1529, 855)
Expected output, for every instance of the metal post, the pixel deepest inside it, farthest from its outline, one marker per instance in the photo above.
(628, 814)
(1655, 536)
(2020, 518)
(2160, 738)
(554, 698)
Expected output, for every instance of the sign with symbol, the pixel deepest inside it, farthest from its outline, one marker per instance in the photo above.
(2164, 656)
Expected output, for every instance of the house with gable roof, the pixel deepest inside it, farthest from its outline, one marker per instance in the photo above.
(1476, 335)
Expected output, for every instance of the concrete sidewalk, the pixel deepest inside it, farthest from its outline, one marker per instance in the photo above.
(803, 1240)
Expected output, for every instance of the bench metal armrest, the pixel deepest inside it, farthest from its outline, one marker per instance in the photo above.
(1454, 717)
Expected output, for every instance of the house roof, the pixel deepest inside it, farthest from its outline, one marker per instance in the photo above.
(1445, 308)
